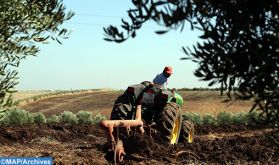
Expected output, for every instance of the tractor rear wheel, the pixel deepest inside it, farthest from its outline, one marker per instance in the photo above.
(169, 123)
(187, 132)
(122, 109)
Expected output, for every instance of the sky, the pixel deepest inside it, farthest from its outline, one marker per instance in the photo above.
(87, 61)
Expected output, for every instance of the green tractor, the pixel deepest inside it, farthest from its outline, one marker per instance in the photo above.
(161, 108)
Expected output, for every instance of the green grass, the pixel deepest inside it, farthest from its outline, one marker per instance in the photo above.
(69, 117)
(223, 118)
(84, 117)
(39, 118)
(18, 117)
(54, 119)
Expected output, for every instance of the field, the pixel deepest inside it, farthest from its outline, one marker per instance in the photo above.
(102, 101)
(28, 94)
(86, 144)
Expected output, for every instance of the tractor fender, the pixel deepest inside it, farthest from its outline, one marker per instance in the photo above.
(177, 98)
(173, 97)
(136, 89)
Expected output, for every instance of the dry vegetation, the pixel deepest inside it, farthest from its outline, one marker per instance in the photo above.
(212, 102)
(20, 95)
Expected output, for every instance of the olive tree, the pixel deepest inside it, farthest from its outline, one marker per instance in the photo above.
(239, 47)
(24, 24)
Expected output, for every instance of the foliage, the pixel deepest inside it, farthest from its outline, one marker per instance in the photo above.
(240, 118)
(2, 113)
(208, 119)
(39, 118)
(254, 118)
(239, 46)
(194, 117)
(24, 24)
(69, 117)
(223, 118)
(54, 119)
(98, 118)
(17, 116)
(84, 117)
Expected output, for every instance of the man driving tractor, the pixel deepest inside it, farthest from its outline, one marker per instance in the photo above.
(162, 78)
(149, 100)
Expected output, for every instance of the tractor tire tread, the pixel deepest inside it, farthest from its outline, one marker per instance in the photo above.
(166, 120)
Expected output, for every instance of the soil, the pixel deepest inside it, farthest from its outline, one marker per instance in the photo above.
(96, 102)
(87, 144)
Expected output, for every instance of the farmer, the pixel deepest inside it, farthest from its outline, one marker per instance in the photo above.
(162, 78)
(148, 99)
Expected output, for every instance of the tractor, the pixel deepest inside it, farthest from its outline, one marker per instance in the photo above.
(160, 112)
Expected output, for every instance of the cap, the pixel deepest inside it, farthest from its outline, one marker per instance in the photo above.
(168, 70)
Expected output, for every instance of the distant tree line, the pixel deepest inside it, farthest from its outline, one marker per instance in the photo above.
(199, 89)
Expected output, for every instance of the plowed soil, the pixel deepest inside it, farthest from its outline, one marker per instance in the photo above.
(86, 144)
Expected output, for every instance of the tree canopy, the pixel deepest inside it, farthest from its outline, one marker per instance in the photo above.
(23, 24)
(239, 47)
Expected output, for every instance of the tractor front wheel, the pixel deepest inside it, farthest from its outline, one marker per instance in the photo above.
(187, 131)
